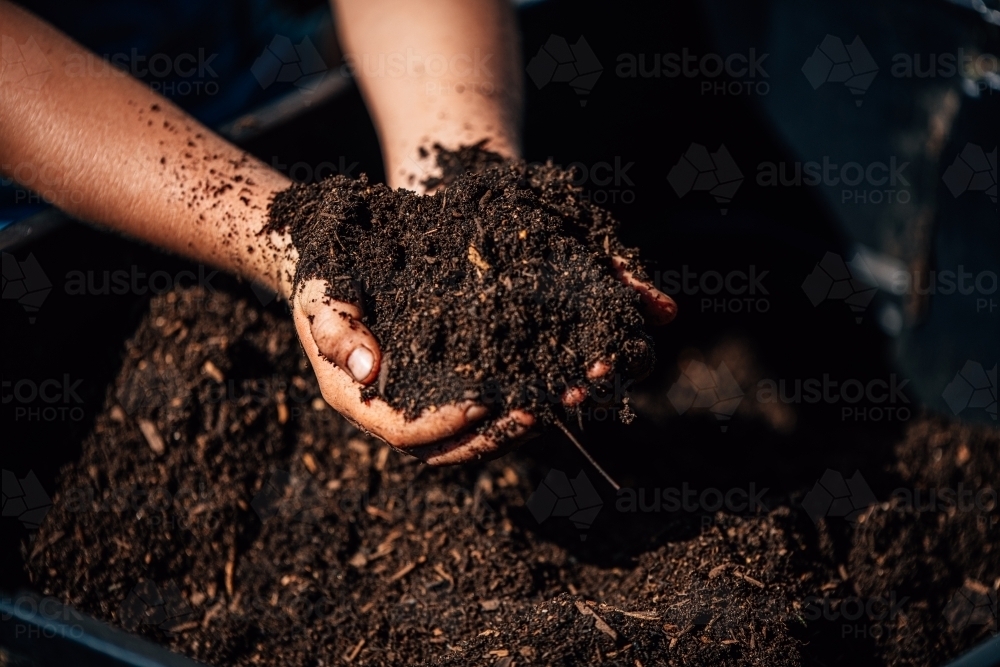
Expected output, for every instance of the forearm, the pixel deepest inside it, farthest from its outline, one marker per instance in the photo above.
(442, 71)
(123, 157)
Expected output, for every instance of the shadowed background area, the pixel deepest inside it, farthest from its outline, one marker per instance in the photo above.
(684, 160)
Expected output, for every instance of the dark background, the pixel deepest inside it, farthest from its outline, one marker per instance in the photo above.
(648, 122)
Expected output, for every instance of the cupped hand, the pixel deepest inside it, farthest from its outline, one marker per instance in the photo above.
(345, 356)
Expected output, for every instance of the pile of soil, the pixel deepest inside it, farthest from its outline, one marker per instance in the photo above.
(498, 288)
(221, 508)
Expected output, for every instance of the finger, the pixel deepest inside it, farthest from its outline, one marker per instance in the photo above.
(659, 307)
(385, 422)
(506, 434)
(599, 368)
(433, 425)
(340, 336)
(576, 395)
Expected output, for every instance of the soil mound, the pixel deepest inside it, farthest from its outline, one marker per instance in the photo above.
(498, 288)
(216, 481)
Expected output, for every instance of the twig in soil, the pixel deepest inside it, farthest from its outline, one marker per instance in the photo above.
(599, 622)
(749, 579)
(152, 436)
(353, 653)
(403, 571)
(590, 458)
(230, 569)
(642, 615)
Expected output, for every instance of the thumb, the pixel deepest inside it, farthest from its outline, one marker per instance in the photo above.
(337, 330)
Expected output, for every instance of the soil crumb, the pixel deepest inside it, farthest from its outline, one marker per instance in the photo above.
(219, 507)
(498, 288)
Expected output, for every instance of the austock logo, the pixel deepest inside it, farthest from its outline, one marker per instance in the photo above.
(881, 182)
(884, 399)
(835, 280)
(283, 62)
(143, 395)
(44, 182)
(972, 605)
(265, 295)
(160, 506)
(559, 496)
(49, 619)
(307, 172)
(974, 170)
(168, 74)
(25, 282)
(23, 64)
(160, 607)
(700, 387)
(289, 498)
(595, 178)
(735, 291)
(700, 171)
(834, 496)
(860, 617)
(977, 71)
(58, 398)
(136, 282)
(852, 499)
(834, 62)
(973, 387)
(745, 73)
(25, 499)
(736, 500)
(557, 61)
(854, 283)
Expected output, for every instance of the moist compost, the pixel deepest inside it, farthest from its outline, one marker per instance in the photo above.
(498, 288)
(221, 508)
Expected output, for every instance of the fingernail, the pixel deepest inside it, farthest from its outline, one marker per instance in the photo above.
(475, 412)
(360, 363)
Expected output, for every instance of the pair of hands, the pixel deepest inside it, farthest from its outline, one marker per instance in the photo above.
(98, 119)
(345, 355)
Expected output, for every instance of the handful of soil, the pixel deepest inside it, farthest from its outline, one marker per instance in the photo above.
(497, 288)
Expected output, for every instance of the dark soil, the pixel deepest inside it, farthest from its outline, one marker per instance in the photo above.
(498, 288)
(220, 507)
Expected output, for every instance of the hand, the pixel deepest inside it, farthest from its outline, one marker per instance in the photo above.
(345, 355)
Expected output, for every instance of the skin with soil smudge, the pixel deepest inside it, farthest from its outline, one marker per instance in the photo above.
(498, 288)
